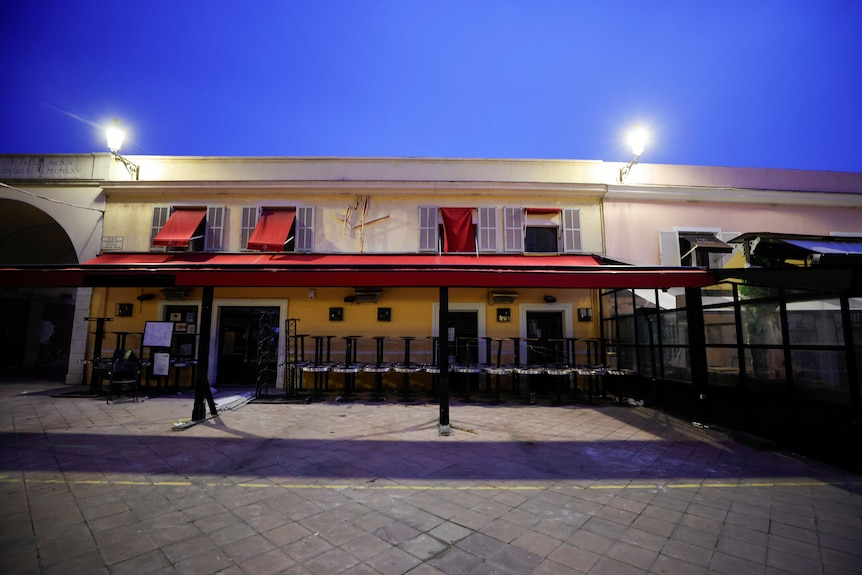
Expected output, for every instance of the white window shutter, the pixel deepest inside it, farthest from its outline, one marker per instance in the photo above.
(304, 229)
(250, 214)
(160, 217)
(513, 230)
(428, 229)
(571, 230)
(668, 247)
(214, 239)
(488, 230)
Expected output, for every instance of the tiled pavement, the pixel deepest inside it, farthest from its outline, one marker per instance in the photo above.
(330, 488)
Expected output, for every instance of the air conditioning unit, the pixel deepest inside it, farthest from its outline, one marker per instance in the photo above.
(367, 295)
(177, 292)
(502, 296)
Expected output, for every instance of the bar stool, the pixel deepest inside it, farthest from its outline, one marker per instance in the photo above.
(464, 364)
(433, 368)
(378, 369)
(559, 369)
(349, 368)
(317, 367)
(495, 370)
(527, 371)
(406, 368)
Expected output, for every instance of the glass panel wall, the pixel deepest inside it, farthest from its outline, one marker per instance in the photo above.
(722, 347)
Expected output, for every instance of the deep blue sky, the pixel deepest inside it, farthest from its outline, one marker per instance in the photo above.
(730, 83)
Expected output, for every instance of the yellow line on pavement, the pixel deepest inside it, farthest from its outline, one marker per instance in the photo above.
(425, 487)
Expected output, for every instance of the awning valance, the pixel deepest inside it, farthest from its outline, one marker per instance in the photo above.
(354, 270)
(180, 227)
(543, 211)
(272, 230)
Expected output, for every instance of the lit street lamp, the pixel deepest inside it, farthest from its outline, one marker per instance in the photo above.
(637, 140)
(115, 136)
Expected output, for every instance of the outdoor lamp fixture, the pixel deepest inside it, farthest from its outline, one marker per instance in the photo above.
(637, 140)
(115, 137)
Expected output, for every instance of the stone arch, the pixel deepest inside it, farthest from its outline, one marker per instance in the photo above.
(30, 236)
(36, 324)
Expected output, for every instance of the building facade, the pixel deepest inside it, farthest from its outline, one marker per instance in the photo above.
(635, 273)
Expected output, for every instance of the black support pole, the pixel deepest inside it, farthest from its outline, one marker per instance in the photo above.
(202, 385)
(443, 333)
(697, 352)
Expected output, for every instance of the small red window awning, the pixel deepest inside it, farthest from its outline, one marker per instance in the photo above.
(180, 227)
(272, 229)
(458, 230)
(544, 211)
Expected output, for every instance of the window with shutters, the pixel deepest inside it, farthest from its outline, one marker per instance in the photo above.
(448, 230)
(706, 248)
(277, 229)
(541, 230)
(187, 228)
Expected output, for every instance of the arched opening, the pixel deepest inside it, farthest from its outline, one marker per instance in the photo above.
(35, 323)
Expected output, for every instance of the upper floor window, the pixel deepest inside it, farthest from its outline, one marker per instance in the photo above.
(187, 228)
(693, 247)
(446, 230)
(277, 229)
(542, 230)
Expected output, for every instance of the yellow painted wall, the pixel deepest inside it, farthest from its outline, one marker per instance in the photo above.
(412, 315)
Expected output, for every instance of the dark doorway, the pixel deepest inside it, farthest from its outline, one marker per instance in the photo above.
(241, 345)
(547, 328)
(463, 330)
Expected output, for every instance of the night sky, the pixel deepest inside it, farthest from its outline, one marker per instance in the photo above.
(734, 83)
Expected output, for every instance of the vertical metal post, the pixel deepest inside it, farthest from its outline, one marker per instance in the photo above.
(697, 352)
(443, 333)
(202, 386)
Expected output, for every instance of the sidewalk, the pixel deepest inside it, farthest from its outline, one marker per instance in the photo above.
(361, 488)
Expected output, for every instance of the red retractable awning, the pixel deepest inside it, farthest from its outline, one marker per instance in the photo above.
(354, 270)
(180, 227)
(458, 230)
(272, 229)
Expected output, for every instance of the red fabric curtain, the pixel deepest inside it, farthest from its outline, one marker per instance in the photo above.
(180, 227)
(272, 229)
(458, 230)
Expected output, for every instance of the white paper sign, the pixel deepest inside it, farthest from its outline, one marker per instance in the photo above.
(161, 363)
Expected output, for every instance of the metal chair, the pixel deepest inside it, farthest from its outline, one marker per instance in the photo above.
(123, 372)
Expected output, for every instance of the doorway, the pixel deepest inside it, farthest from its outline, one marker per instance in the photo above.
(463, 333)
(547, 327)
(247, 338)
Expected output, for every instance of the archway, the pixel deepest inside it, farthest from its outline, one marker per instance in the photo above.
(35, 323)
